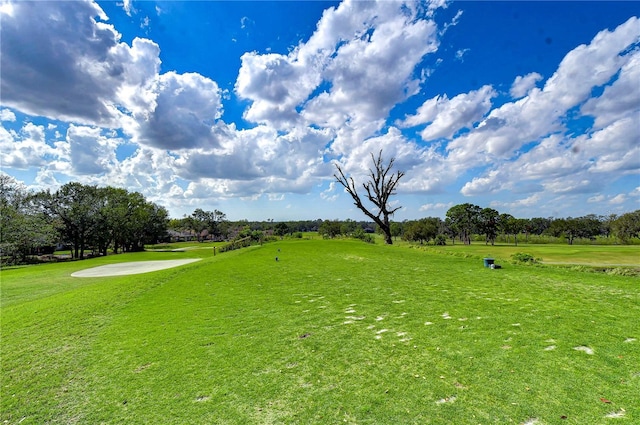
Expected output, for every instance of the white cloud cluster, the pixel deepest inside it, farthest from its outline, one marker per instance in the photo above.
(57, 61)
(522, 85)
(446, 116)
(441, 206)
(90, 151)
(183, 113)
(560, 162)
(338, 85)
(26, 148)
(7, 115)
(328, 99)
(358, 64)
(61, 60)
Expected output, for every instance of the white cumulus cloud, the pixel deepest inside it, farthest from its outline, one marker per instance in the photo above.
(7, 115)
(537, 119)
(446, 116)
(522, 85)
(183, 115)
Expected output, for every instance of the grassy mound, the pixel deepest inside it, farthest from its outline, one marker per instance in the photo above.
(334, 331)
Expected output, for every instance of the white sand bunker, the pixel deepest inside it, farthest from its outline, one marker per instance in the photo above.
(136, 267)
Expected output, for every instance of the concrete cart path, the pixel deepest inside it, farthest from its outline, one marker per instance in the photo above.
(136, 267)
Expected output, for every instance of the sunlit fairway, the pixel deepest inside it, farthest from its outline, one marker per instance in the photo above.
(557, 254)
(332, 332)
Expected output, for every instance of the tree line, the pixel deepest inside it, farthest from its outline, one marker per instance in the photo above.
(85, 218)
(77, 217)
(467, 222)
(90, 220)
(463, 223)
(213, 226)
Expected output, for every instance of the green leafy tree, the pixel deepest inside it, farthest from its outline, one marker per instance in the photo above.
(12, 196)
(449, 230)
(281, 229)
(348, 227)
(396, 229)
(511, 226)
(590, 226)
(607, 224)
(488, 221)
(538, 225)
(528, 229)
(197, 223)
(116, 214)
(627, 226)
(77, 208)
(201, 220)
(148, 225)
(463, 220)
(359, 233)
(571, 229)
(24, 230)
(254, 234)
(504, 224)
(330, 229)
(422, 230)
(156, 230)
(83, 216)
(587, 227)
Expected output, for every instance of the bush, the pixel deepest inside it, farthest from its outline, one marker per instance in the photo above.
(524, 258)
(440, 240)
(613, 271)
(237, 244)
(365, 237)
(623, 271)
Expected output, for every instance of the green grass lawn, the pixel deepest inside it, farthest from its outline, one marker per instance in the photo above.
(594, 255)
(333, 332)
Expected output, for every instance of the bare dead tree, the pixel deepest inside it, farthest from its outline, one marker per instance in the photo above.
(380, 187)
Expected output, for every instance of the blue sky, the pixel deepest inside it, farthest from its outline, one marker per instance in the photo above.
(531, 108)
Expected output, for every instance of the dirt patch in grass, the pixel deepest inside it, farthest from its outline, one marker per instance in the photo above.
(587, 350)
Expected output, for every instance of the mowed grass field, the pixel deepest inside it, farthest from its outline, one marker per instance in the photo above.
(333, 332)
(586, 255)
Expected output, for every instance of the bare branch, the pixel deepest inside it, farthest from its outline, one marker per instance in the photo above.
(380, 187)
